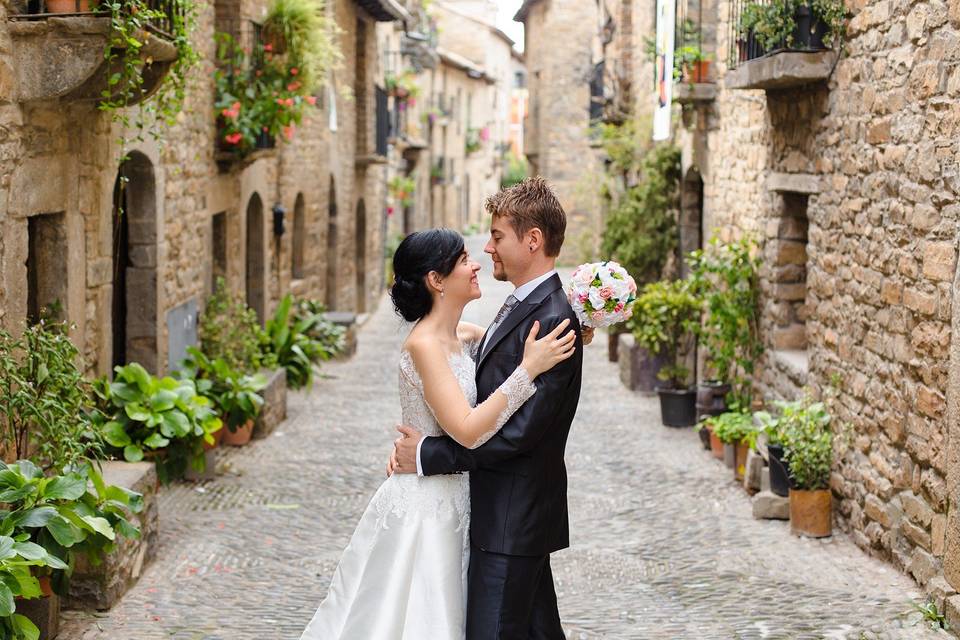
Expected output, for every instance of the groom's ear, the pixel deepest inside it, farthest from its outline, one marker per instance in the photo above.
(534, 239)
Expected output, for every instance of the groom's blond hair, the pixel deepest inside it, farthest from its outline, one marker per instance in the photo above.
(531, 204)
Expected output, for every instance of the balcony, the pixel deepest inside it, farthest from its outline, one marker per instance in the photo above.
(692, 61)
(803, 57)
(61, 55)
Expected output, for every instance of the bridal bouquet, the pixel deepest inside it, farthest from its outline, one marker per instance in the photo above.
(601, 294)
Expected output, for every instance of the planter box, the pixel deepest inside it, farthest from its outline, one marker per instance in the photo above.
(100, 587)
(43, 612)
(638, 369)
(348, 321)
(274, 405)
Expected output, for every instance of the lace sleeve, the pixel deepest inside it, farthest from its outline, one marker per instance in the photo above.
(518, 388)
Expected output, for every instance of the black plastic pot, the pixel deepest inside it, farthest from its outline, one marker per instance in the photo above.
(711, 398)
(704, 434)
(779, 471)
(810, 30)
(678, 407)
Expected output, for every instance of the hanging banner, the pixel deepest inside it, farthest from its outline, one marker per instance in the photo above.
(666, 27)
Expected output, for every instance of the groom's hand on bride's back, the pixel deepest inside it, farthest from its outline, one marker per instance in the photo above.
(404, 457)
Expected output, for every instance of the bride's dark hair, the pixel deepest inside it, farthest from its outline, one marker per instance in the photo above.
(420, 253)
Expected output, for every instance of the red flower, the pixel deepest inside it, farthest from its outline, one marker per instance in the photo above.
(236, 106)
(268, 48)
(288, 132)
(234, 138)
(294, 71)
(281, 101)
(389, 211)
(311, 100)
(289, 102)
(293, 86)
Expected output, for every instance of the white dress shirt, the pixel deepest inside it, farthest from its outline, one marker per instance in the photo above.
(520, 293)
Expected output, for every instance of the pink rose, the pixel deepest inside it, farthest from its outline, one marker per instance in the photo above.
(606, 293)
(633, 285)
(584, 297)
(597, 316)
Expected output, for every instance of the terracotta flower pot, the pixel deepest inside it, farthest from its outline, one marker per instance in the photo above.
(811, 513)
(68, 6)
(217, 439)
(716, 446)
(697, 72)
(740, 460)
(240, 436)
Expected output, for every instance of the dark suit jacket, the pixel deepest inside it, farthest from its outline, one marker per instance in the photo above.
(518, 481)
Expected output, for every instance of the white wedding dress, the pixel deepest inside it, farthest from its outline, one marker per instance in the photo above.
(404, 574)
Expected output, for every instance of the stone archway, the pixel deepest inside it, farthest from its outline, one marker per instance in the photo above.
(134, 304)
(297, 266)
(361, 256)
(256, 257)
(331, 298)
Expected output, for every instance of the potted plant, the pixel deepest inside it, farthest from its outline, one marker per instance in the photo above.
(693, 64)
(807, 437)
(725, 277)
(44, 399)
(67, 6)
(235, 395)
(473, 143)
(779, 467)
(161, 418)
(735, 429)
(287, 338)
(402, 189)
(664, 321)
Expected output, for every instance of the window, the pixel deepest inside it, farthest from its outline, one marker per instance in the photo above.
(218, 248)
(789, 275)
(46, 267)
(299, 237)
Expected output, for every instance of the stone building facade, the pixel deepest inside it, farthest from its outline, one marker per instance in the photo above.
(560, 51)
(134, 284)
(845, 170)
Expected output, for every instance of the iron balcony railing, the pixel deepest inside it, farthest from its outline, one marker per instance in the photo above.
(743, 46)
(168, 13)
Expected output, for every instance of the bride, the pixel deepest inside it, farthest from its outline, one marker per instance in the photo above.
(404, 574)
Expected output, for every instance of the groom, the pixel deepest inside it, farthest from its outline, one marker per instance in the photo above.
(518, 481)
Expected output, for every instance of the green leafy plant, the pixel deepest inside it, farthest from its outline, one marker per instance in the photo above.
(402, 85)
(235, 395)
(473, 142)
(330, 336)
(287, 337)
(402, 188)
(301, 33)
(930, 614)
(131, 28)
(44, 399)
(640, 231)
(833, 13)
(230, 331)
(774, 24)
(515, 171)
(803, 427)
(162, 417)
(57, 519)
(19, 559)
(664, 320)
(725, 277)
(733, 427)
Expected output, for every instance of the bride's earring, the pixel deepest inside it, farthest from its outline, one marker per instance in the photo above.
(441, 293)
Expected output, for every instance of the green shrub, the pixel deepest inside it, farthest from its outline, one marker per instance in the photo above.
(230, 331)
(235, 395)
(665, 317)
(803, 428)
(733, 427)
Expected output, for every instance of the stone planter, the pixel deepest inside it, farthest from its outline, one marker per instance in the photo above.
(730, 455)
(100, 587)
(43, 612)
(638, 368)
(811, 513)
(348, 321)
(274, 409)
(209, 468)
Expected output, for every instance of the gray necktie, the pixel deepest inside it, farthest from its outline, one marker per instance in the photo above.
(510, 303)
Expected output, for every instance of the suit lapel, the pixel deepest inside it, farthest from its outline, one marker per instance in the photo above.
(519, 313)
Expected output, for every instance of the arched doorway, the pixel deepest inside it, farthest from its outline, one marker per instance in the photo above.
(256, 260)
(134, 304)
(299, 237)
(332, 246)
(361, 253)
(691, 217)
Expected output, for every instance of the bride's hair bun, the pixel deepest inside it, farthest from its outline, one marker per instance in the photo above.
(420, 253)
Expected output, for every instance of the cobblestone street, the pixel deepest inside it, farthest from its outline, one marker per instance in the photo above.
(664, 545)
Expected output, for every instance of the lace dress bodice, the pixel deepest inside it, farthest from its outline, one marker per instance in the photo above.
(413, 406)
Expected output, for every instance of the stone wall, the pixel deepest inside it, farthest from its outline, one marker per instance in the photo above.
(62, 157)
(874, 322)
(557, 143)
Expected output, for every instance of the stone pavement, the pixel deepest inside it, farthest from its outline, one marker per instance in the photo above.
(664, 545)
